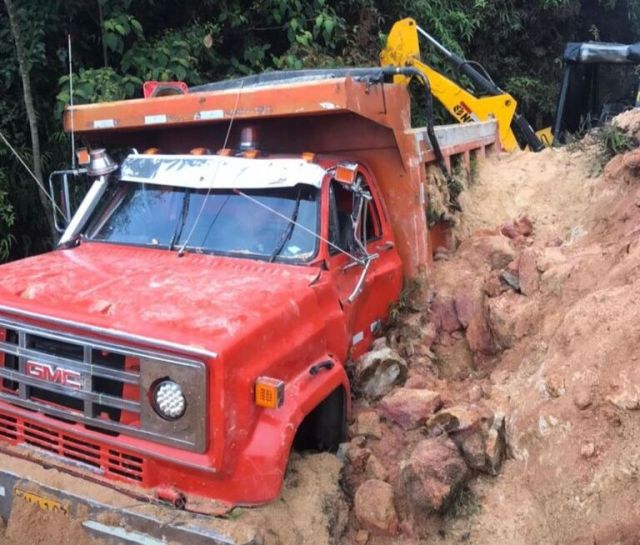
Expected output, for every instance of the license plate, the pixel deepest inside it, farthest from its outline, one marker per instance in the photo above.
(44, 503)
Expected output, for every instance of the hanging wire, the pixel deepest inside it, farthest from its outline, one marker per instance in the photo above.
(38, 182)
(215, 173)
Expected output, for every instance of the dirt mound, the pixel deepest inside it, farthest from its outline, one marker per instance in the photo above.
(534, 316)
(554, 187)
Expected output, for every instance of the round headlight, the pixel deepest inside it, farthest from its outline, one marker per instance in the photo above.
(169, 400)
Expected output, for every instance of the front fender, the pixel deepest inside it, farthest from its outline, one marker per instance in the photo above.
(263, 462)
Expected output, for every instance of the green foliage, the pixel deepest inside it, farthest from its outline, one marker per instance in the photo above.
(612, 141)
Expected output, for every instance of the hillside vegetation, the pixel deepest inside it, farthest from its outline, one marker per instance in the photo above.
(117, 44)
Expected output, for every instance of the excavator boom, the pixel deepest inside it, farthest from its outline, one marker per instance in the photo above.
(403, 49)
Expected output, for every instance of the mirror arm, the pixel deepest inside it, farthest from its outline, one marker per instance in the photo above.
(85, 209)
(358, 288)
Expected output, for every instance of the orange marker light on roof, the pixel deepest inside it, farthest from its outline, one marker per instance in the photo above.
(200, 151)
(309, 156)
(151, 151)
(82, 155)
(269, 392)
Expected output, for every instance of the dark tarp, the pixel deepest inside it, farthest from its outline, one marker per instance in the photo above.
(599, 52)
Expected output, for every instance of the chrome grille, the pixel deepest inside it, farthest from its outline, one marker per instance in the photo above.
(100, 381)
(93, 383)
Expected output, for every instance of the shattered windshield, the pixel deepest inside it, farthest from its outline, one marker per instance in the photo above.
(220, 221)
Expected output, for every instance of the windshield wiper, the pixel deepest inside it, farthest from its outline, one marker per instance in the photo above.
(181, 220)
(286, 235)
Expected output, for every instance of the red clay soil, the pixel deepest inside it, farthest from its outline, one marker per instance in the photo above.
(538, 319)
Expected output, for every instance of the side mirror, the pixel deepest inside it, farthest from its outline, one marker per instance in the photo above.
(67, 188)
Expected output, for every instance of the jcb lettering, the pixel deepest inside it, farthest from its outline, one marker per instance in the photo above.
(461, 113)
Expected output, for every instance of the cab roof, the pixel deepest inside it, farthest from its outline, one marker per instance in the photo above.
(220, 172)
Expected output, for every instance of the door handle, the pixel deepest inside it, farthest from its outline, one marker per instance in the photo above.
(386, 246)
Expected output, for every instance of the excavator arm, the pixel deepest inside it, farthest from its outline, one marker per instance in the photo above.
(403, 49)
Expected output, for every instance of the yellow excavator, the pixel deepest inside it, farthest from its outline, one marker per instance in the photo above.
(403, 49)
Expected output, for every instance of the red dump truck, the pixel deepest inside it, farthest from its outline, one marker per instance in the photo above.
(237, 245)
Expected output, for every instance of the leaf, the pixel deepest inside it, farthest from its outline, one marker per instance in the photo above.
(111, 41)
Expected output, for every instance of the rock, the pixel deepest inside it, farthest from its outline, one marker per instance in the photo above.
(550, 257)
(479, 336)
(444, 316)
(374, 508)
(378, 371)
(368, 425)
(493, 285)
(627, 399)
(409, 408)
(456, 418)
(511, 317)
(495, 444)
(433, 475)
(375, 470)
(355, 454)
(508, 229)
(476, 393)
(582, 397)
(415, 335)
(469, 428)
(472, 446)
(587, 450)
(510, 280)
(495, 251)
(468, 301)
(528, 272)
(417, 382)
(524, 226)
(554, 385)
(494, 448)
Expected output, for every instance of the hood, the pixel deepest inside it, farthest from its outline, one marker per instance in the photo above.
(201, 301)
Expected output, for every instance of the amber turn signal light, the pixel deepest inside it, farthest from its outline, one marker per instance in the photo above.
(346, 172)
(269, 392)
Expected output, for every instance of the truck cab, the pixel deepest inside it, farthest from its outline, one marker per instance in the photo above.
(195, 323)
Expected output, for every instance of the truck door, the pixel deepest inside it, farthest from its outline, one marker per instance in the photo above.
(366, 311)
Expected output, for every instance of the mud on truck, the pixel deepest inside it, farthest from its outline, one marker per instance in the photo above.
(237, 244)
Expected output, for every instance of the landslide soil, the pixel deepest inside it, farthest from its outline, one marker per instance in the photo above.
(569, 382)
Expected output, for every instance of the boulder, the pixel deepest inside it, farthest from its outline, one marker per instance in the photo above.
(410, 408)
(456, 418)
(368, 424)
(528, 272)
(378, 371)
(433, 475)
(496, 251)
(375, 469)
(511, 317)
(443, 314)
(374, 508)
(479, 336)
